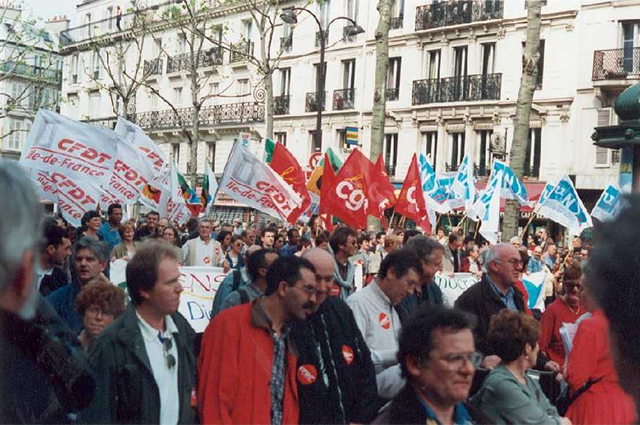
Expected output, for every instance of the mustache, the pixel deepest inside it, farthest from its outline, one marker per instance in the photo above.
(309, 305)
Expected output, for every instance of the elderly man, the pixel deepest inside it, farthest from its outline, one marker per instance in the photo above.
(438, 358)
(90, 260)
(494, 292)
(43, 380)
(379, 322)
(535, 262)
(203, 251)
(330, 343)
(144, 361)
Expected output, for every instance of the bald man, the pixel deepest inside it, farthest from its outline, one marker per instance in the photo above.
(336, 377)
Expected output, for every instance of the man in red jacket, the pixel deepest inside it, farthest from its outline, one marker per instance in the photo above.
(247, 366)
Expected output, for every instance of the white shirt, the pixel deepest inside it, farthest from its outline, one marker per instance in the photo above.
(166, 378)
(380, 326)
(204, 253)
(40, 274)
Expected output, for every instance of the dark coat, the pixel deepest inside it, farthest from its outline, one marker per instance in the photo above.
(63, 301)
(57, 279)
(345, 389)
(405, 409)
(431, 294)
(127, 391)
(482, 301)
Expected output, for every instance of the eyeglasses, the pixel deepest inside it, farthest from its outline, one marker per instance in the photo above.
(167, 344)
(97, 310)
(513, 262)
(311, 290)
(457, 360)
(570, 284)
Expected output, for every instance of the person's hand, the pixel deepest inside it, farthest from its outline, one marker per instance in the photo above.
(225, 266)
(552, 366)
(559, 377)
(491, 362)
(565, 421)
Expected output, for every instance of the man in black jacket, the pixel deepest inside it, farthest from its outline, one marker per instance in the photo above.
(144, 362)
(55, 250)
(336, 377)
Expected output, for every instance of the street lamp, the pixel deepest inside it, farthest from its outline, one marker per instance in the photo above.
(289, 17)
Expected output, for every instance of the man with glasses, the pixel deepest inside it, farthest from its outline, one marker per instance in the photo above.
(247, 365)
(144, 362)
(438, 358)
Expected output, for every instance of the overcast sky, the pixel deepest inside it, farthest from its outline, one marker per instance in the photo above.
(46, 9)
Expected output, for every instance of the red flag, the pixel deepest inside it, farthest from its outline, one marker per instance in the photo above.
(346, 196)
(327, 181)
(285, 164)
(411, 201)
(380, 190)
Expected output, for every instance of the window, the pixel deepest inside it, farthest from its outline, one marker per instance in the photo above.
(153, 101)
(431, 147)
(108, 16)
(175, 153)
(349, 74)
(17, 92)
(177, 97)
(94, 104)
(352, 9)
(74, 69)
(316, 145)
(460, 61)
(433, 64)
(602, 154)
(15, 138)
(457, 150)
(540, 64)
(630, 39)
(532, 158)
(182, 43)
(488, 58)
(214, 90)
(397, 8)
(95, 65)
(325, 8)
(391, 152)
(393, 78)
(281, 138)
(285, 81)
(248, 29)
(156, 47)
(484, 152)
(211, 157)
(243, 87)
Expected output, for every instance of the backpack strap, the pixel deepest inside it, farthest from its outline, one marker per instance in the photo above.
(244, 295)
(236, 280)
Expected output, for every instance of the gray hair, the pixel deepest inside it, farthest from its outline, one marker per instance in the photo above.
(423, 246)
(100, 249)
(20, 219)
(494, 254)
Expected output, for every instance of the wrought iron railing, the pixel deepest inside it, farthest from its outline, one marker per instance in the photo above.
(445, 13)
(457, 89)
(182, 62)
(286, 43)
(31, 71)
(344, 99)
(615, 63)
(111, 25)
(240, 51)
(392, 94)
(482, 170)
(281, 105)
(154, 67)
(230, 113)
(396, 23)
(313, 100)
(319, 37)
(531, 171)
(108, 122)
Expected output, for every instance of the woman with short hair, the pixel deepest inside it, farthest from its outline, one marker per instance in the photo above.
(127, 248)
(508, 395)
(99, 303)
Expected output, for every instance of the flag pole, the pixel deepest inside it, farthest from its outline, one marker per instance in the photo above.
(461, 221)
(391, 220)
(533, 215)
(449, 218)
(475, 235)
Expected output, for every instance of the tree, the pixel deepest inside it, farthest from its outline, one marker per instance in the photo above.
(523, 112)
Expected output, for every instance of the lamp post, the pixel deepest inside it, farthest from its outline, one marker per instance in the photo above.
(289, 17)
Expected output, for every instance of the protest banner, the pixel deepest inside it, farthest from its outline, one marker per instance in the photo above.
(609, 203)
(487, 208)
(534, 284)
(199, 287)
(453, 287)
(564, 206)
(75, 197)
(464, 187)
(131, 173)
(81, 151)
(250, 181)
(435, 197)
(512, 187)
(46, 187)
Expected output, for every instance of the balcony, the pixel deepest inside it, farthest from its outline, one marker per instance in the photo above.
(240, 51)
(231, 113)
(182, 62)
(153, 67)
(313, 100)
(443, 14)
(32, 72)
(457, 89)
(396, 23)
(344, 99)
(392, 94)
(286, 43)
(108, 122)
(281, 105)
(319, 37)
(615, 69)
(110, 26)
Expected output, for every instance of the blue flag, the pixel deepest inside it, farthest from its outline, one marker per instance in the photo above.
(564, 206)
(609, 203)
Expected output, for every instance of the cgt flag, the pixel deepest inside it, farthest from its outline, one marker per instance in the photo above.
(564, 206)
(380, 190)
(250, 181)
(287, 167)
(411, 202)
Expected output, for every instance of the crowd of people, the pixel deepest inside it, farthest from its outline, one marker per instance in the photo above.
(292, 337)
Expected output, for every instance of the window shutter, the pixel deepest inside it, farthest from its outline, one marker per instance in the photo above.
(602, 154)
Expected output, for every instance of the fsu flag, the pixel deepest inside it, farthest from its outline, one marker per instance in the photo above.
(283, 163)
(380, 190)
(411, 202)
(346, 196)
(315, 180)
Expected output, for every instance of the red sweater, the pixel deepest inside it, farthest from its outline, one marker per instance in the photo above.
(235, 371)
(550, 340)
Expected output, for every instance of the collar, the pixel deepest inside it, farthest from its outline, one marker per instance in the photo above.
(460, 413)
(497, 290)
(42, 272)
(375, 288)
(150, 334)
(260, 319)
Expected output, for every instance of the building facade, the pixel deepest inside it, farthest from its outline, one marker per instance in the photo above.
(30, 75)
(452, 86)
